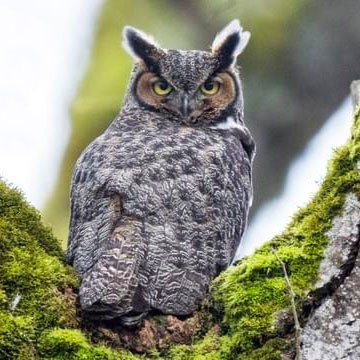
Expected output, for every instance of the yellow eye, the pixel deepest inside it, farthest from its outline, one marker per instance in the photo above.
(162, 87)
(210, 87)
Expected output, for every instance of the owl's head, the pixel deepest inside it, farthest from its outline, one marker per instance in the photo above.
(192, 87)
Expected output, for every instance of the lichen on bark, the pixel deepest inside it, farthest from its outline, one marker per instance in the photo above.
(247, 312)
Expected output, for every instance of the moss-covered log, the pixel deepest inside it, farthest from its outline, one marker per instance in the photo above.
(248, 313)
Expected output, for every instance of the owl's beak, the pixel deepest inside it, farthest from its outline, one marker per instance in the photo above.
(185, 107)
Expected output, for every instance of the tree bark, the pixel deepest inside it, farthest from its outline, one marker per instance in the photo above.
(355, 93)
(332, 331)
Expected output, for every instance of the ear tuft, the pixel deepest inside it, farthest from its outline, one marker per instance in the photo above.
(133, 38)
(229, 43)
(141, 46)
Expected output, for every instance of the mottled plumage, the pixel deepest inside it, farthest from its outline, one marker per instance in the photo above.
(159, 202)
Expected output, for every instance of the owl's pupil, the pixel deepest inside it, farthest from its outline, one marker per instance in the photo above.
(208, 85)
(163, 85)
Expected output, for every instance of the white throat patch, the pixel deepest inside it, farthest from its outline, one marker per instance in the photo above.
(228, 124)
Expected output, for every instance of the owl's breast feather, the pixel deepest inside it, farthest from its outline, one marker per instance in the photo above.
(186, 191)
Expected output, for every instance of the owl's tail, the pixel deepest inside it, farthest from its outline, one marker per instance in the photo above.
(109, 287)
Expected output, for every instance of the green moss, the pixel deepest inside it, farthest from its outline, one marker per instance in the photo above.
(27, 270)
(14, 209)
(16, 333)
(73, 345)
(272, 350)
(204, 349)
(3, 299)
(33, 272)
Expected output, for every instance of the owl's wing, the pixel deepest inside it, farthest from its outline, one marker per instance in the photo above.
(247, 141)
(109, 288)
(93, 209)
(103, 246)
(80, 214)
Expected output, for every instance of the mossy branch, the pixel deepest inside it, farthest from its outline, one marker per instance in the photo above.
(293, 307)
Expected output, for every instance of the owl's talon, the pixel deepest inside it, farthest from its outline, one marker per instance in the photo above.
(132, 321)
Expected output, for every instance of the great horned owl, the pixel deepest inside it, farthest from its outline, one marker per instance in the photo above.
(159, 201)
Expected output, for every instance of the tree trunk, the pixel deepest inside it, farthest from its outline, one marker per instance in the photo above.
(311, 270)
(333, 328)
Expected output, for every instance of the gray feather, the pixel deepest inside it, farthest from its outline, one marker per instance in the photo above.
(159, 207)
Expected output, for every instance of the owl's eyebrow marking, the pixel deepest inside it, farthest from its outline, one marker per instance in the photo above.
(157, 77)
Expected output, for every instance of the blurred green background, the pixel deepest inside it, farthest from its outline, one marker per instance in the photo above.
(296, 70)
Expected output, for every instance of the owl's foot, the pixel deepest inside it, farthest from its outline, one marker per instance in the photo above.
(132, 320)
